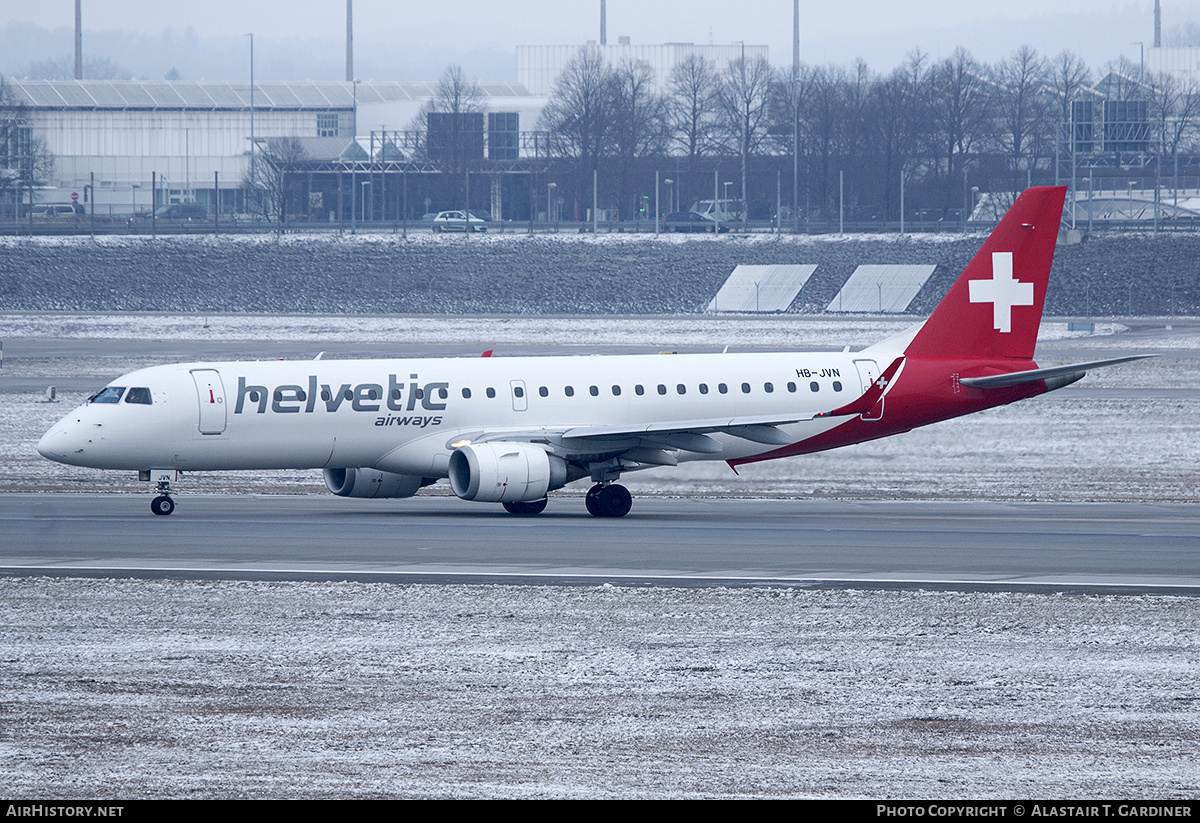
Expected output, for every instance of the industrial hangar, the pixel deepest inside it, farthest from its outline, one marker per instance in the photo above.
(124, 147)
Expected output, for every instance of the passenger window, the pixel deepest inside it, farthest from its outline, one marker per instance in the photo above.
(569, 391)
(768, 387)
(745, 388)
(543, 391)
(442, 394)
(791, 386)
(491, 392)
(594, 391)
(837, 385)
(466, 394)
(518, 391)
(616, 391)
(662, 389)
(704, 388)
(814, 386)
(639, 389)
(722, 388)
(110, 394)
(682, 389)
(141, 396)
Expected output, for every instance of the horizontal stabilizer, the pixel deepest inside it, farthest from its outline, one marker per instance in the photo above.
(1018, 378)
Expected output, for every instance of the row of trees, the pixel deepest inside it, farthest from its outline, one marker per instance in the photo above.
(942, 125)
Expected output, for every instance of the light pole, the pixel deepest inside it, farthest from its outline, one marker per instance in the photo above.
(670, 194)
(1088, 180)
(354, 117)
(550, 187)
(366, 214)
(253, 178)
(974, 197)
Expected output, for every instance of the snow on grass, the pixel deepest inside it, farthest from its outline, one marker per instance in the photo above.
(160, 688)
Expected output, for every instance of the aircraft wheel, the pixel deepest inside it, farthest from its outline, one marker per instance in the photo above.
(609, 501)
(162, 505)
(592, 500)
(526, 508)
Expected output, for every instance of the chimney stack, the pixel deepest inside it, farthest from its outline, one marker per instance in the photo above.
(1158, 24)
(603, 24)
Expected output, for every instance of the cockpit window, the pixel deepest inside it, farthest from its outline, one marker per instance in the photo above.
(109, 394)
(139, 394)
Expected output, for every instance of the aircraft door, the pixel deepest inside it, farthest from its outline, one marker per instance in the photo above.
(520, 399)
(210, 394)
(868, 373)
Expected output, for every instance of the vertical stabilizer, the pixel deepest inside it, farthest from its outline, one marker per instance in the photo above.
(994, 308)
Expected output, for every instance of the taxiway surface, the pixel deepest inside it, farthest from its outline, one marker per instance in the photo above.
(664, 541)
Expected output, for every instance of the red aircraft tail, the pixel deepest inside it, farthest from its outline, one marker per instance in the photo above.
(994, 308)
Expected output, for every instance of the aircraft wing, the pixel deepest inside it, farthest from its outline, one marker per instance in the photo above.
(1018, 378)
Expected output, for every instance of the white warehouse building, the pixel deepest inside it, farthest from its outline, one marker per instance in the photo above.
(191, 136)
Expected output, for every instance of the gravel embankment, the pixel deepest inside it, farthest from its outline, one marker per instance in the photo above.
(541, 274)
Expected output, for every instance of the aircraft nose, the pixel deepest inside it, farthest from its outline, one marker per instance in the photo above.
(59, 444)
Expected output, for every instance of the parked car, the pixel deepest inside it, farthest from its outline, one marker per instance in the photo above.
(689, 221)
(458, 221)
(182, 211)
(58, 210)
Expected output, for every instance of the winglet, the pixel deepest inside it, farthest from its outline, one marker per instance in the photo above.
(487, 353)
(871, 396)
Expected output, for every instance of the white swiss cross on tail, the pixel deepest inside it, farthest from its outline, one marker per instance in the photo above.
(1002, 291)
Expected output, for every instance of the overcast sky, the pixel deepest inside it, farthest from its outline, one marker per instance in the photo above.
(404, 40)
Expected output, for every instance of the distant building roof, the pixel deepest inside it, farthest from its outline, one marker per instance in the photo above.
(180, 95)
(318, 149)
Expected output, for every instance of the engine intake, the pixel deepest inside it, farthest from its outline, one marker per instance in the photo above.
(505, 472)
(372, 483)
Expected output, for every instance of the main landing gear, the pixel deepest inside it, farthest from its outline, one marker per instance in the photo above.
(163, 504)
(608, 500)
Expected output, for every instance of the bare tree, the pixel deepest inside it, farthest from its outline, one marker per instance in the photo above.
(24, 160)
(899, 127)
(744, 96)
(272, 189)
(1069, 76)
(639, 120)
(692, 99)
(578, 116)
(454, 94)
(962, 113)
(1023, 109)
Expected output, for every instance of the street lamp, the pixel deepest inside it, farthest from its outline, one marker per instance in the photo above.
(354, 120)
(252, 169)
(670, 194)
(550, 187)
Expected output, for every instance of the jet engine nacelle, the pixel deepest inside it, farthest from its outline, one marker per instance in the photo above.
(373, 483)
(505, 472)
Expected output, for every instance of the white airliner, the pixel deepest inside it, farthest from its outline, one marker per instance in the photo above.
(509, 430)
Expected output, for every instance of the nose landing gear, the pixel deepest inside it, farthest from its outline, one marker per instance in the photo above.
(162, 505)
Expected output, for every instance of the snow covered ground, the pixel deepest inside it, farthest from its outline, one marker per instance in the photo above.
(160, 688)
(132, 688)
